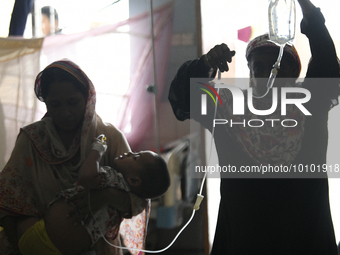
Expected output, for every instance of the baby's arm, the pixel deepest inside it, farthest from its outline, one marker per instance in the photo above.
(88, 175)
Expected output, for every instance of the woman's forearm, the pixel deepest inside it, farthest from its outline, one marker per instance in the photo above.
(96, 199)
(118, 199)
(9, 223)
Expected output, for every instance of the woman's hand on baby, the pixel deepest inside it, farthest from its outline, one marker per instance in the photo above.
(81, 207)
(86, 201)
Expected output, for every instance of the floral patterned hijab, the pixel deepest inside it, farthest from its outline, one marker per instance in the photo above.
(45, 146)
(273, 143)
(263, 43)
(40, 167)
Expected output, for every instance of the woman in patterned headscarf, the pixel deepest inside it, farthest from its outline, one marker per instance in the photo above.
(282, 214)
(48, 154)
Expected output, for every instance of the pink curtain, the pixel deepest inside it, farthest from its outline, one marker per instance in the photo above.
(98, 52)
(135, 110)
(137, 117)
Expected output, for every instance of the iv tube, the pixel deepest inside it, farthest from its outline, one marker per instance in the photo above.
(196, 207)
(199, 197)
(281, 17)
(273, 72)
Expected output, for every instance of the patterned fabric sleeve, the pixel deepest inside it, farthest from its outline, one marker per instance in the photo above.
(112, 178)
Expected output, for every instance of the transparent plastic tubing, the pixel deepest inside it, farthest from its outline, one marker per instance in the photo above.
(273, 72)
(142, 250)
(198, 199)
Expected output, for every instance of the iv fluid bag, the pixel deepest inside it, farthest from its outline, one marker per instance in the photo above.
(281, 16)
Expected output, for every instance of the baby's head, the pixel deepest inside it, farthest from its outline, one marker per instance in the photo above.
(145, 171)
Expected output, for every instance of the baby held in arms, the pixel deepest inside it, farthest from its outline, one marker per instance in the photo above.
(74, 224)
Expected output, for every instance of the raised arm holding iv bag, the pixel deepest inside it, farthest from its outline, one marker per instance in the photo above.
(282, 23)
